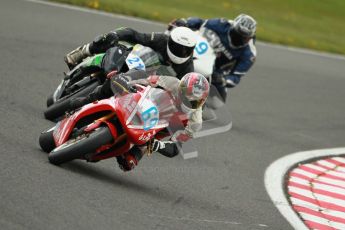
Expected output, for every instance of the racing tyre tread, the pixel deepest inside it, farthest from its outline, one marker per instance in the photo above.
(59, 108)
(46, 141)
(78, 149)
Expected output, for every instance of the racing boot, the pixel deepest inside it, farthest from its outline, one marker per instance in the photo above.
(167, 148)
(129, 160)
(74, 57)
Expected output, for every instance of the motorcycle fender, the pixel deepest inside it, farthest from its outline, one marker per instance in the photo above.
(65, 127)
(58, 92)
(113, 132)
(62, 130)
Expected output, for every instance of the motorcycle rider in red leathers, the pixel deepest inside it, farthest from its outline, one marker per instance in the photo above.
(189, 95)
(190, 92)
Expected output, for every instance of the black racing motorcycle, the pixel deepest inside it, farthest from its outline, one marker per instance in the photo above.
(92, 72)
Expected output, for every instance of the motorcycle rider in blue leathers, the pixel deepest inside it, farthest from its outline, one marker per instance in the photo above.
(233, 42)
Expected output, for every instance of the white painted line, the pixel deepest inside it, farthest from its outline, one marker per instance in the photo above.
(327, 164)
(312, 176)
(329, 188)
(328, 199)
(325, 171)
(320, 177)
(316, 208)
(331, 181)
(212, 131)
(303, 203)
(323, 221)
(315, 219)
(339, 159)
(113, 15)
(341, 169)
(318, 168)
(98, 12)
(333, 213)
(316, 196)
(302, 192)
(300, 181)
(275, 175)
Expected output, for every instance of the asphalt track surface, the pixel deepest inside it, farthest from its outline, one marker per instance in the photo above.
(289, 102)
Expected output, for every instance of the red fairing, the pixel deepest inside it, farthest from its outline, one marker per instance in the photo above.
(140, 118)
(64, 128)
(139, 137)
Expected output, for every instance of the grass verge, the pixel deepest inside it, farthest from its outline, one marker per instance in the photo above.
(312, 24)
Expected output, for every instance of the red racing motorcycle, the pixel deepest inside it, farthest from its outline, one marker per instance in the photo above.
(111, 127)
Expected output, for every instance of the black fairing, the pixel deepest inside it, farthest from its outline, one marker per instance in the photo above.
(114, 59)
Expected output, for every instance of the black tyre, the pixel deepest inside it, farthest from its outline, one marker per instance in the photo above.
(58, 109)
(50, 100)
(46, 141)
(77, 148)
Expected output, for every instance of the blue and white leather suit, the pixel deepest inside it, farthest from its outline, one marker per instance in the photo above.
(231, 63)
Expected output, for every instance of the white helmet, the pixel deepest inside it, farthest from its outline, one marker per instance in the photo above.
(182, 41)
(244, 28)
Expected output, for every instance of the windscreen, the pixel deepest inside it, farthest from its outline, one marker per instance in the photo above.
(142, 57)
(150, 109)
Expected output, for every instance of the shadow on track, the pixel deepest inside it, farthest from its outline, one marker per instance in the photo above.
(115, 179)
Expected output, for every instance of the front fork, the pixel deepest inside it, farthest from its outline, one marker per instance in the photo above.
(116, 136)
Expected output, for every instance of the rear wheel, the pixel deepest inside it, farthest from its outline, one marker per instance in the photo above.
(46, 141)
(58, 109)
(78, 147)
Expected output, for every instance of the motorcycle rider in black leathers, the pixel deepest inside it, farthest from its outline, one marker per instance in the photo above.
(174, 50)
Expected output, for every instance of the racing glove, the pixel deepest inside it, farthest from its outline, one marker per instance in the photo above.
(176, 23)
(103, 42)
(121, 85)
(220, 80)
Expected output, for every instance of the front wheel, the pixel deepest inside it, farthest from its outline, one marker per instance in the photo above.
(46, 140)
(78, 147)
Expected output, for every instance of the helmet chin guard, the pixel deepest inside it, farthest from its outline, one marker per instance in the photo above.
(175, 59)
(181, 43)
(186, 109)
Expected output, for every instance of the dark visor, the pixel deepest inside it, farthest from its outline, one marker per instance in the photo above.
(237, 39)
(179, 50)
